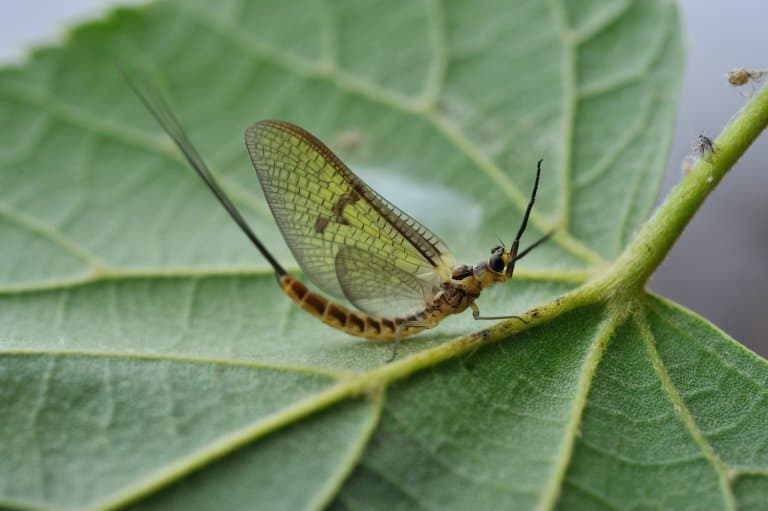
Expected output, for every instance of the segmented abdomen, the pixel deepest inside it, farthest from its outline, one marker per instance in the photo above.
(333, 314)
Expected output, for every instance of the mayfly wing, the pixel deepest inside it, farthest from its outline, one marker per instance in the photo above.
(377, 286)
(321, 206)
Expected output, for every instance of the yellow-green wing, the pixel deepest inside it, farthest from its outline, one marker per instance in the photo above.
(379, 287)
(321, 206)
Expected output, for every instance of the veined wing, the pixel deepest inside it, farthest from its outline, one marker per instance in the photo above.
(321, 206)
(379, 287)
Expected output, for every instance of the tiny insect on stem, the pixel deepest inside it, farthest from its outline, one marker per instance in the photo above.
(704, 147)
(741, 76)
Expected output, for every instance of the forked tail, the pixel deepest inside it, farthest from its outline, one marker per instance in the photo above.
(333, 314)
(162, 112)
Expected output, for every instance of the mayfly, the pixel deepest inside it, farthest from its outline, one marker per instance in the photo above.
(348, 240)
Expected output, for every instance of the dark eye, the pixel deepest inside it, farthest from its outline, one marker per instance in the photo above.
(496, 263)
(496, 249)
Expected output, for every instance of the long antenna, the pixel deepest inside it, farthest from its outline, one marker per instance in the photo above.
(163, 114)
(524, 223)
(533, 245)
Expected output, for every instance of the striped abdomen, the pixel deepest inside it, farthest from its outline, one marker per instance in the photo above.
(340, 317)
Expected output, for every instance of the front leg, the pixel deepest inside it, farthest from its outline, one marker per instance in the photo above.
(476, 314)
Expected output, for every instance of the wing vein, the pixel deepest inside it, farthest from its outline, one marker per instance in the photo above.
(333, 222)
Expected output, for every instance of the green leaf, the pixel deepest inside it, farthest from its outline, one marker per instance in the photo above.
(147, 358)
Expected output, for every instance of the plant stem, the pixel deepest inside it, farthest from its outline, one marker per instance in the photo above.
(654, 240)
(638, 261)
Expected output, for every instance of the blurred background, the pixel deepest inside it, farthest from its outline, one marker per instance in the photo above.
(719, 268)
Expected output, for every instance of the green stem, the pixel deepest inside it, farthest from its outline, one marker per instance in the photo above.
(631, 269)
(651, 245)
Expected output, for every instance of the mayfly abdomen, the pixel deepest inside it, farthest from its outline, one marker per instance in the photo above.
(340, 317)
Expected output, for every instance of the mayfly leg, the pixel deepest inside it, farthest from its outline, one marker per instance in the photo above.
(476, 314)
(399, 335)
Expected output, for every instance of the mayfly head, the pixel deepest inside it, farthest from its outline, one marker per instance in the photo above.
(501, 264)
(500, 260)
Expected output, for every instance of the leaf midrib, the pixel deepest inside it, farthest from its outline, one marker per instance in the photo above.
(598, 346)
(682, 412)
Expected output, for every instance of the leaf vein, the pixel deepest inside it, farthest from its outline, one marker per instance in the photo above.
(160, 357)
(446, 464)
(611, 155)
(438, 68)
(593, 494)
(415, 499)
(569, 108)
(604, 19)
(683, 460)
(589, 367)
(682, 411)
(685, 334)
(78, 117)
(353, 456)
(34, 226)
